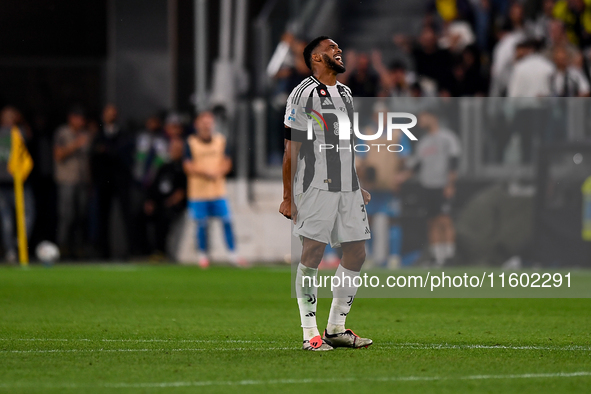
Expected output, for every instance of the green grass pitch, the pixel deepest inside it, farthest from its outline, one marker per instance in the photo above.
(169, 329)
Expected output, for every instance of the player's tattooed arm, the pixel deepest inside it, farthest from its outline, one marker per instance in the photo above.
(292, 150)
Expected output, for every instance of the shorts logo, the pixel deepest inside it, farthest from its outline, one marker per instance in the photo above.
(367, 230)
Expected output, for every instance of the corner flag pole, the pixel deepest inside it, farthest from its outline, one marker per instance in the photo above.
(20, 165)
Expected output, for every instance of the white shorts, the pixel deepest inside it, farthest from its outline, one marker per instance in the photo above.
(331, 217)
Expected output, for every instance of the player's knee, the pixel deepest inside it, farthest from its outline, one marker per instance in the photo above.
(355, 255)
(359, 255)
(313, 253)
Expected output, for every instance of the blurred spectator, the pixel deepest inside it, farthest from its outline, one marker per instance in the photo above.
(173, 126)
(166, 196)
(483, 17)
(456, 37)
(531, 74)
(540, 27)
(557, 38)
(576, 16)
(467, 79)
(395, 81)
(566, 80)
(503, 59)
(430, 61)
(516, 17)
(530, 80)
(359, 76)
(293, 69)
(150, 152)
(112, 154)
(206, 164)
(10, 117)
(399, 84)
(71, 153)
(436, 162)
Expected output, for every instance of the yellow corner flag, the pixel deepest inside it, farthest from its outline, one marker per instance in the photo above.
(20, 165)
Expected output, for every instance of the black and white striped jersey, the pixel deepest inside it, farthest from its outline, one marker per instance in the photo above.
(325, 161)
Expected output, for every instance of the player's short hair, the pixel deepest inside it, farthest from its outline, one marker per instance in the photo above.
(310, 48)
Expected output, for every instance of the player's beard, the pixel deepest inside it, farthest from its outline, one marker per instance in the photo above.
(333, 65)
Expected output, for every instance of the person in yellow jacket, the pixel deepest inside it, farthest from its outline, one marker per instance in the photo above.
(206, 164)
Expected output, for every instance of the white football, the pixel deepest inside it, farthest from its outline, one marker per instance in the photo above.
(47, 252)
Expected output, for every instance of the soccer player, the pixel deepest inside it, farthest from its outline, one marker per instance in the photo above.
(321, 194)
(436, 162)
(206, 164)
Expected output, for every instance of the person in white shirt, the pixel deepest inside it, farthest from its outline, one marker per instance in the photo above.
(530, 76)
(529, 81)
(503, 58)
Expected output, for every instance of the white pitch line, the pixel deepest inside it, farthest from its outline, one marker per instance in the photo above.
(134, 340)
(309, 381)
(35, 351)
(377, 347)
(387, 345)
(446, 346)
(418, 346)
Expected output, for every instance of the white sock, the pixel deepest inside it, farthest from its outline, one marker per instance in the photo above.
(438, 251)
(450, 249)
(306, 293)
(342, 299)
